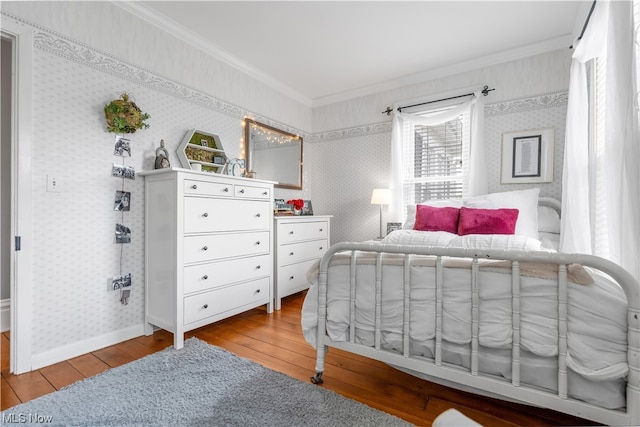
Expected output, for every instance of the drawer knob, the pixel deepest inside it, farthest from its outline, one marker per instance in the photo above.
(205, 214)
(258, 267)
(266, 193)
(257, 291)
(320, 248)
(205, 306)
(290, 253)
(291, 232)
(258, 242)
(205, 277)
(195, 187)
(226, 190)
(242, 191)
(291, 278)
(321, 229)
(258, 215)
(205, 248)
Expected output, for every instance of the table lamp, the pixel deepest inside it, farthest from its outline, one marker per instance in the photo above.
(381, 196)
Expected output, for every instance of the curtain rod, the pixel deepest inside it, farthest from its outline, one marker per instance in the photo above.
(586, 22)
(485, 92)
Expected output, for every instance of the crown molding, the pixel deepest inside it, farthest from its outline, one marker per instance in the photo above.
(461, 67)
(170, 26)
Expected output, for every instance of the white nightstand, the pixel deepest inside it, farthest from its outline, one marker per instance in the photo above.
(299, 242)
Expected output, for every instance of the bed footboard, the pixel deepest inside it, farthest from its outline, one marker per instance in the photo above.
(472, 376)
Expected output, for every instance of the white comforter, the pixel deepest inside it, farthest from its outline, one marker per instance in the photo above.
(597, 327)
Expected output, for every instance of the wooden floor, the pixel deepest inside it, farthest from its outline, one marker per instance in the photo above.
(276, 341)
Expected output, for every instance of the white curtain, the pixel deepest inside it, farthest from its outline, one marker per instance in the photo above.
(622, 151)
(477, 163)
(610, 30)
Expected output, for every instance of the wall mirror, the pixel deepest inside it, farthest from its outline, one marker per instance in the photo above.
(273, 154)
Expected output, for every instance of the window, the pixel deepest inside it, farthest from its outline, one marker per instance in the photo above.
(436, 159)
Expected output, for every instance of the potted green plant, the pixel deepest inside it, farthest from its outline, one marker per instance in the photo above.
(124, 116)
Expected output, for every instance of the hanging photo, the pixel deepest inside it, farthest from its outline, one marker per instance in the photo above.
(123, 234)
(122, 145)
(120, 282)
(122, 171)
(122, 201)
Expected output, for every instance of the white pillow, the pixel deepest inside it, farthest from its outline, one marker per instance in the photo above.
(410, 221)
(548, 220)
(526, 201)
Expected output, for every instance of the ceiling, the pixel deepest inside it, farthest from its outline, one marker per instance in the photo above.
(321, 52)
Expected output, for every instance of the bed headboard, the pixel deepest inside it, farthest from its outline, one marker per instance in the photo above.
(551, 203)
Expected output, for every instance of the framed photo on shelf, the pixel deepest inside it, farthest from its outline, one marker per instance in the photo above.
(393, 226)
(307, 209)
(527, 156)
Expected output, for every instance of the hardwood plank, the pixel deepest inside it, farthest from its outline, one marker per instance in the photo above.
(7, 397)
(113, 356)
(29, 385)
(88, 365)
(4, 353)
(61, 374)
(135, 349)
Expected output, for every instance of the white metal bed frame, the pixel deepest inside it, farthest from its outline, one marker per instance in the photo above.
(435, 367)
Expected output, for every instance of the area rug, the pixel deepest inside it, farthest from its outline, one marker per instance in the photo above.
(199, 385)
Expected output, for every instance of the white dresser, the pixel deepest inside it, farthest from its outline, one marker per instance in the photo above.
(300, 241)
(208, 248)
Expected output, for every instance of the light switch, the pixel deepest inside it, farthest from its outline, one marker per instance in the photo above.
(53, 185)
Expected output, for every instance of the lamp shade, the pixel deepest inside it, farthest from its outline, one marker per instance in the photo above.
(381, 196)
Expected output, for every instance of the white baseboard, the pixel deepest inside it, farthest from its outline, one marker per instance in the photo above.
(83, 347)
(5, 315)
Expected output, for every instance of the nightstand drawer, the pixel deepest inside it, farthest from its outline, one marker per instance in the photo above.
(206, 215)
(295, 252)
(293, 276)
(194, 187)
(215, 274)
(299, 231)
(219, 246)
(218, 301)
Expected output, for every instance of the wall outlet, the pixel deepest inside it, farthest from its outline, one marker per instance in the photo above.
(53, 185)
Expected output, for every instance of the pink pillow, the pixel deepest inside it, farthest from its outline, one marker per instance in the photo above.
(429, 218)
(487, 221)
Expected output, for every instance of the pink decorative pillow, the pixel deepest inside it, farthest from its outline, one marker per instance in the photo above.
(487, 221)
(429, 218)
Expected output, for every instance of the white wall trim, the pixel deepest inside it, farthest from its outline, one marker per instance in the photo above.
(160, 21)
(79, 348)
(21, 276)
(461, 67)
(5, 315)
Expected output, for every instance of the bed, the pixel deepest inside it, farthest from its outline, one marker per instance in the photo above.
(505, 315)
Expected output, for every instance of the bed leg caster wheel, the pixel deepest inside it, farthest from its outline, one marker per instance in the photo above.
(317, 378)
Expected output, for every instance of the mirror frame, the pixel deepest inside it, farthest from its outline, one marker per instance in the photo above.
(247, 151)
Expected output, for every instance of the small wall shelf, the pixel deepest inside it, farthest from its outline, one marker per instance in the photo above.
(202, 148)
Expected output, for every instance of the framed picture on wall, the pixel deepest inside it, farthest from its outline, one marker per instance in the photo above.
(527, 156)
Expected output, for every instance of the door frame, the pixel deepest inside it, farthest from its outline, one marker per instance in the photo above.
(21, 274)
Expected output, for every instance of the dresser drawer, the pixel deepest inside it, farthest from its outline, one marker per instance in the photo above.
(218, 301)
(215, 274)
(295, 252)
(293, 276)
(205, 215)
(207, 188)
(295, 232)
(249, 192)
(219, 246)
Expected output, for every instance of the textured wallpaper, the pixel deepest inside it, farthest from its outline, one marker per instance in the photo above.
(75, 253)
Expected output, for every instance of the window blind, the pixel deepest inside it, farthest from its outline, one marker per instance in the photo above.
(436, 158)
